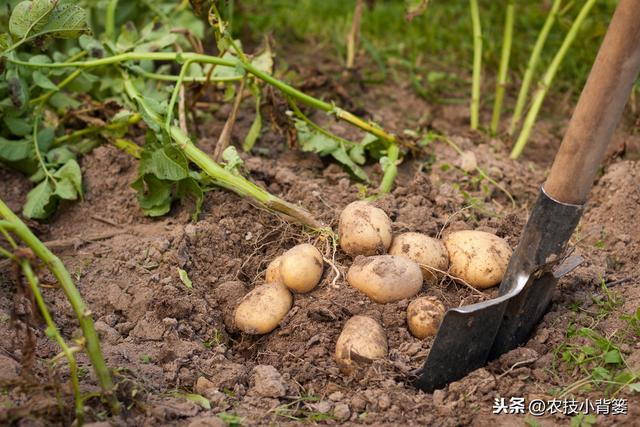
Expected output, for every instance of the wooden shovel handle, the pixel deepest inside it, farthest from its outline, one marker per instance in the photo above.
(599, 108)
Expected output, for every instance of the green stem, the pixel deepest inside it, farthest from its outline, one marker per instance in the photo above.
(547, 79)
(393, 153)
(176, 91)
(207, 59)
(532, 64)
(477, 63)
(504, 67)
(135, 118)
(53, 332)
(219, 175)
(187, 79)
(75, 299)
(36, 147)
(110, 20)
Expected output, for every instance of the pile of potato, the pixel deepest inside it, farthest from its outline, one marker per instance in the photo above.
(385, 268)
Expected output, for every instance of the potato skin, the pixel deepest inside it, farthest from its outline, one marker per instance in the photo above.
(262, 309)
(273, 271)
(385, 278)
(424, 316)
(362, 340)
(477, 257)
(364, 229)
(301, 268)
(424, 250)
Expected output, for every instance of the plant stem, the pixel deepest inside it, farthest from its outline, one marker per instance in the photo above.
(354, 33)
(547, 79)
(220, 176)
(110, 20)
(75, 299)
(53, 332)
(477, 63)
(186, 79)
(390, 172)
(532, 64)
(504, 66)
(135, 118)
(176, 90)
(207, 59)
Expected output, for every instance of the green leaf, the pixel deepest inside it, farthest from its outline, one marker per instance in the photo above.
(613, 357)
(19, 126)
(40, 203)
(5, 41)
(69, 186)
(167, 163)
(13, 151)
(39, 18)
(264, 61)
(231, 158)
(154, 195)
(63, 102)
(200, 400)
(256, 127)
(357, 154)
(43, 81)
(190, 188)
(184, 277)
(29, 17)
(635, 387)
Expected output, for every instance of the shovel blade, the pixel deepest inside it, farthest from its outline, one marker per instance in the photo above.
(463, 343)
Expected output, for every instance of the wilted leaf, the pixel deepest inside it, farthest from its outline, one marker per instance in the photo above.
(29, 17)
(40, 18)
(231, 158)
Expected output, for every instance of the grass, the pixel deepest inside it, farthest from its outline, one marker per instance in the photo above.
(439, 39)
(596, 358)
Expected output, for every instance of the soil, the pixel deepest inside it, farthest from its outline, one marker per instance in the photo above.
(163, 339)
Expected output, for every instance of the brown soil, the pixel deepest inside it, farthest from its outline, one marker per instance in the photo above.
(163, 338)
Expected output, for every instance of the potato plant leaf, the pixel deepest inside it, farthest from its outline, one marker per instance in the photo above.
(313, 141)
(47, 18)
(43, 199)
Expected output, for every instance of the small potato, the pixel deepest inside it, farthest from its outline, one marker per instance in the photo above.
(385, 278)
(424, 316)
(364, 229)
(424, 250)
(301, 268)
(262, 309)
(273, 271)
(477, 257)
(362, 340)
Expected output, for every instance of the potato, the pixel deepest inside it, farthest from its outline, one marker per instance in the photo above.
(362, 340)
(301, 268)
(262, 309)
(364, 229)
(385, 278)
(273, 271)
(424, 316)
(477, 257)
(424, 250)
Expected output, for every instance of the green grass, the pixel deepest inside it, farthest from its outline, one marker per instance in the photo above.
(440, 39)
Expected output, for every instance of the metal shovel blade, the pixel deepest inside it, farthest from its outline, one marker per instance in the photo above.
(466, 337)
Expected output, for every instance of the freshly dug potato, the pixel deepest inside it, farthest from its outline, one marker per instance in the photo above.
(362, 340)
(424, 316)
(301, 268)
(424, 250)
(364, 229)
(273, 271)
(385, 278)
(477, 257)
(262, 309)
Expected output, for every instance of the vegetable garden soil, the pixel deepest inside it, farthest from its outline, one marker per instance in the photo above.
(166, 340)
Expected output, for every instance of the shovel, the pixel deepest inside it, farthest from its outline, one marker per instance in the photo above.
(472, 335)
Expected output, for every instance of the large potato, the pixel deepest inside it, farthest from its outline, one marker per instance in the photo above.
(424, 316)
(364, 229)
(385, 278)
(273, 271)
(301, 268)
(362, 340)
(424, 250)
(477, 257)
(262, 309)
